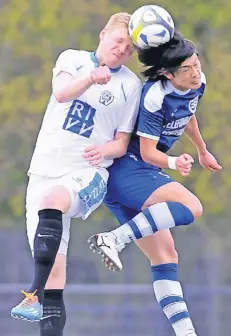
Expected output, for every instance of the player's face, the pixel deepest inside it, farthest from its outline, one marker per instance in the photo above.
(188, 76)
(115, 47)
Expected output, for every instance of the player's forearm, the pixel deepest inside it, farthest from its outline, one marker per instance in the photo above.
(115, 149)
(73, 89)
(194, 134)
(156, 158)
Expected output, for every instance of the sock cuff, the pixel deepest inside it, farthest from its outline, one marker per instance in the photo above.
(50, 214)
(186, 214)
(165, 272)
(53, 294)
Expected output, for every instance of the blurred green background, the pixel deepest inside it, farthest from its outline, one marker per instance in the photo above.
(33, 33)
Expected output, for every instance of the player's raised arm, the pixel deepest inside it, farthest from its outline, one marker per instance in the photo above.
(67, 88)
(206, 159)
(68, 84)
(194, 134)
(150, 128)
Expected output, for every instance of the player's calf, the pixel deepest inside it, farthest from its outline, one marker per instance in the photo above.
(160, 216)
(168, 292)
(46, 244)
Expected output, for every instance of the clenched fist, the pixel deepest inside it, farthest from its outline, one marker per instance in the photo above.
(101, 75)
(184, 164)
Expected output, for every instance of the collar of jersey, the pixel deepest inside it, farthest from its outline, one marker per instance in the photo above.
(94, 60)
(179, 92)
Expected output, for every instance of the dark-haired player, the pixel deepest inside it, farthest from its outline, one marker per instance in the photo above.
(146, 200)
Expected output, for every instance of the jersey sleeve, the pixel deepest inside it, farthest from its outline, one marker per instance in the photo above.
(131, 108)
(151, 113)
(66, 62)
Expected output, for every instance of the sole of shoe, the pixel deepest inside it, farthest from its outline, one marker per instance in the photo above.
(23, 318)
(108, 262)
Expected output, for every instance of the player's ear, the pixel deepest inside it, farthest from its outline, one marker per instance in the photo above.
(167, 74)
(164, 72)
(102, 34)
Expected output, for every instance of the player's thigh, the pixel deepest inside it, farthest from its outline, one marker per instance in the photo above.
(56, 197)
(47, 193)
(159, 248)
(122, 213)
(87, 188)
(57, 278)
(175, 192)
(131, 182)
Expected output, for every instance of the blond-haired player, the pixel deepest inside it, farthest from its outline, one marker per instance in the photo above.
(94, 103)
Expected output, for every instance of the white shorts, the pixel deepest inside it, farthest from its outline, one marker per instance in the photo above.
(87, 188)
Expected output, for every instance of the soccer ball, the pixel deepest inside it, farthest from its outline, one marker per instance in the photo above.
(151, 26)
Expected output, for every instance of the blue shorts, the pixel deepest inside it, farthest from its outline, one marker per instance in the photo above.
(131, 182)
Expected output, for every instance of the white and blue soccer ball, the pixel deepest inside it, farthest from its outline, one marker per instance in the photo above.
(151, 26)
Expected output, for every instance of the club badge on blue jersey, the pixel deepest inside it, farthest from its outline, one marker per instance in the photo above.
(106, 98)
(193, 104)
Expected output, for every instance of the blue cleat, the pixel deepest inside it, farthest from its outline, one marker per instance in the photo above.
(29, 309)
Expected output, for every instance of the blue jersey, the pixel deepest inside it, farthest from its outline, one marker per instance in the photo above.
(164, 113)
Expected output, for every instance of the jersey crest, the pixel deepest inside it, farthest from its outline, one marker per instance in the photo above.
(106, 98)
(193, 104)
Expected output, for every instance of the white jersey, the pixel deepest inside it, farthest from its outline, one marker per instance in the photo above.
(94, 118)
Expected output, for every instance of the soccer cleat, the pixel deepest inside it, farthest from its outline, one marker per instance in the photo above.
(29, 309)
(106, 245)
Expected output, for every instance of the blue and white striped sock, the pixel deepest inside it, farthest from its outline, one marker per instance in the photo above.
(160, 216)
(168, 292)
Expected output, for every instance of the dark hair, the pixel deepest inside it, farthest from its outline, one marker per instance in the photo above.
(167, 57)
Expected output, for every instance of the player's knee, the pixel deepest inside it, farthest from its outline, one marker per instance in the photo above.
(57, 198)
(165, 254)
(44, 252)
(196, 207)
(48, 235)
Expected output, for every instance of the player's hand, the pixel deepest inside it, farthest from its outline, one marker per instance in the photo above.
(208, 161)
(101, 75)
(94, 155)
(184, 164)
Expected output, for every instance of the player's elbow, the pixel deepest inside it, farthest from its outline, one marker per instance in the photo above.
(59, 96)
(123, 150)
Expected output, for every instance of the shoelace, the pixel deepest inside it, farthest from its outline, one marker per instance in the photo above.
(30, 298)
(119, 246)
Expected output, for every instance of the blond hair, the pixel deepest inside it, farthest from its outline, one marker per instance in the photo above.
(118, 19)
